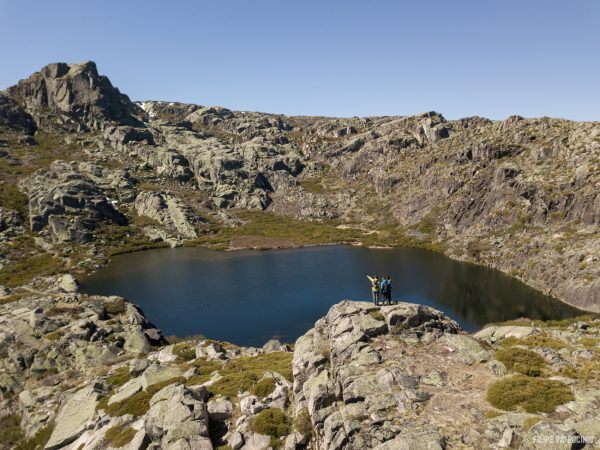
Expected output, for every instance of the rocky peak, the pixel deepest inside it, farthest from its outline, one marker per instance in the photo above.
(73, 97)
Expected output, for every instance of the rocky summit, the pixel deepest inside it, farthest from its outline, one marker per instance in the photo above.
(86, 173)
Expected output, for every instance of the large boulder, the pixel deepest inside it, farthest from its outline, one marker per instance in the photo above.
(74, 416)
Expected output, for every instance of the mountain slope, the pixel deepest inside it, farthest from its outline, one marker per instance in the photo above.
(520, 195)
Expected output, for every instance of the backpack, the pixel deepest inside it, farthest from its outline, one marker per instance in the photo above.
(376, 284)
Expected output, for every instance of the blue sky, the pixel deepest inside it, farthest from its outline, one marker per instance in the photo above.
(318, 57)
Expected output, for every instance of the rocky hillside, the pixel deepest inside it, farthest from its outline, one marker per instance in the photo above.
(80, 372)
(87, 173)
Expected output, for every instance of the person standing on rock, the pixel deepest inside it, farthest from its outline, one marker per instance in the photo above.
(383, 290)
(387, 295)
(374, 288)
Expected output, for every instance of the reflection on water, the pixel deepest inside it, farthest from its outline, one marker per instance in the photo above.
(247, 297)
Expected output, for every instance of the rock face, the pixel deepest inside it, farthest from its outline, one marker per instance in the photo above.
(73, 97)
(169, 211)
(13, 116)
(68, 205)
(74, 416)
(353, 390)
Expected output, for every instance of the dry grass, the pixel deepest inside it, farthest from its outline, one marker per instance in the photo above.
(528, 393)
(522, 361)
(119, 436)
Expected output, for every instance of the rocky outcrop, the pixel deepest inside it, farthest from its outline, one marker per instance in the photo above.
(404, 376)
(354, 392)
(68, 205)
(11, 223)
(13, 116)
(169, 211)
(73, 97)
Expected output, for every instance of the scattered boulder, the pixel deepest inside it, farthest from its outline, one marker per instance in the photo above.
(74, 415)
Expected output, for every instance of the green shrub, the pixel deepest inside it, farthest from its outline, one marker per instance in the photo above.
(303, 424)
(10, 430)
(271, 422)
(118, 436)
(529, 393)
(119, 377)
(38, 440)
(521, 360)
(185, 351)
(538, 340)
(264, 387)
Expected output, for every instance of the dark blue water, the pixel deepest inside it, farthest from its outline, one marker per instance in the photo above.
(248, 297)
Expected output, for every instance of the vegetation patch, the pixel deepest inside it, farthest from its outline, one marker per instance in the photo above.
(139, 403)
(20, 272)
(54, 335)
(264, 387)
(539, 340)
(531, 421)
(588, 342)
(115, 307)
(528, 393)
(241, 374)
(313, 185)
(561, 324)
(38, 440)
(491, 413)
(303, 424)
(376, 314)
(271, 422)
(587, 370)
(185, 351)
(119, 436)
(10, 431)
(12, 198)
(521, 360)
(119, 377)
